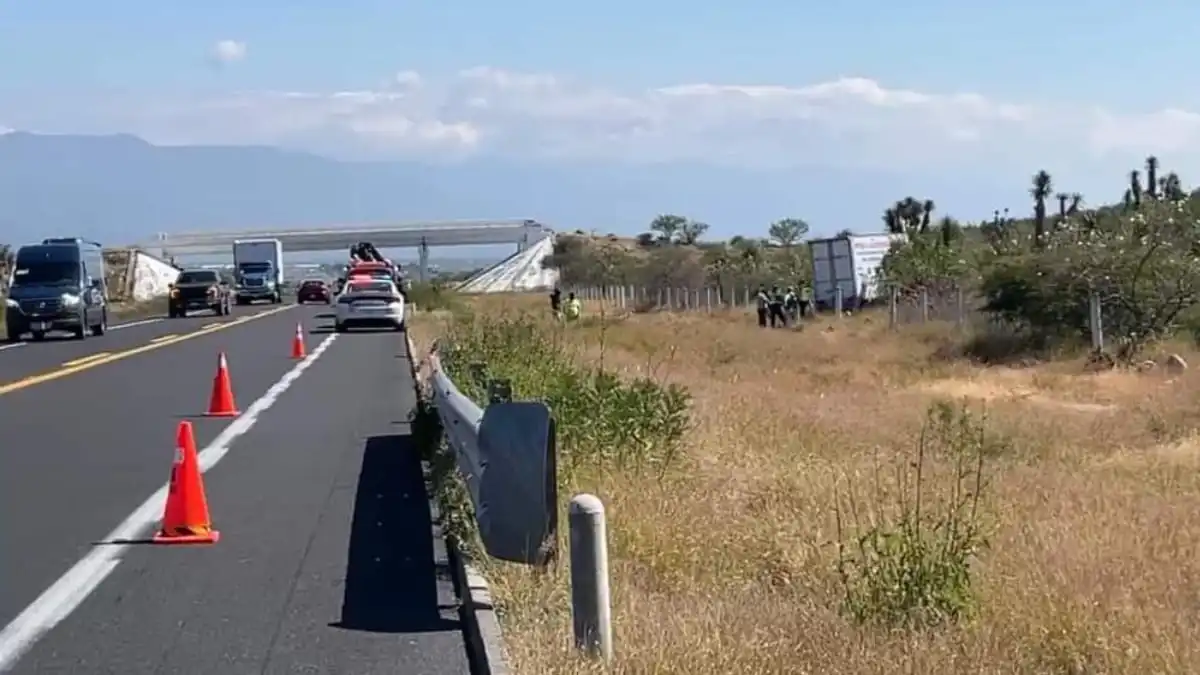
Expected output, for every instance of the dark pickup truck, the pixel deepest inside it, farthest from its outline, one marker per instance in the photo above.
(199, 289)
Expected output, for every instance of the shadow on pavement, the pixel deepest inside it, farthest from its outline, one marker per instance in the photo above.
(391, 576)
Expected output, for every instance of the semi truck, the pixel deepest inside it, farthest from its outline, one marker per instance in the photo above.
(258, 270)
(850, 263)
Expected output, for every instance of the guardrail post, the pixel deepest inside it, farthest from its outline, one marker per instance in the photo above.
(591, 604)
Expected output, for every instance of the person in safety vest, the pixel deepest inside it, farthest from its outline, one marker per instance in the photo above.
(775, 307)
(763, 305)
(574, 307)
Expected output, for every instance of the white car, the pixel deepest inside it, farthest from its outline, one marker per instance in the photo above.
(369, 303)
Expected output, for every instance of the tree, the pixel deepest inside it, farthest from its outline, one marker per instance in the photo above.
(1142, 264)
(690, 232)
(667, 226)
(1041, 191)
(788, 231)
(1152, 176)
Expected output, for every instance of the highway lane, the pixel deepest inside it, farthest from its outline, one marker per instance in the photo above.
(28, 359)
(77, 453)
(326, 561)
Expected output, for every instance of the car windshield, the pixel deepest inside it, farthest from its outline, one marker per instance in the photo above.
(312, 284)
(197, 278)
(370, 287)
(46, 273)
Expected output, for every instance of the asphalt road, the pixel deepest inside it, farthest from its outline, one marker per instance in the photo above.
(328, 561)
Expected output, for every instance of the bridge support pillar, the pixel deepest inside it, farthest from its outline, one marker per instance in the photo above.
(423, 261)
(523, 243)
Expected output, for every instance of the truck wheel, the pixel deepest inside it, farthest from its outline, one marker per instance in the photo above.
(81, 333)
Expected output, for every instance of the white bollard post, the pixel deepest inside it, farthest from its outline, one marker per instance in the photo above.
(591, 604)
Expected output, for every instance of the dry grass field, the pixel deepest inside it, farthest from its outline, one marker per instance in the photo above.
(805, 438)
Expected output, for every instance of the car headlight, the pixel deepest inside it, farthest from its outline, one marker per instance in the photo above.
(70, 300)
(9, 302)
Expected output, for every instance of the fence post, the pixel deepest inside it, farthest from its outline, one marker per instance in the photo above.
(591, 608)
(1095, 319)
(837, 301)
(961, 300)
(893, 306)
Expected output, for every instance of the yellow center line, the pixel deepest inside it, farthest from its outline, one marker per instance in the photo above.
(162, 338)
(99, 360)
(85, 359)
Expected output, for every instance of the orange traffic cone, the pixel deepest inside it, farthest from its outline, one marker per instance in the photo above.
(298, 350)
(185, 516)
(221, 403)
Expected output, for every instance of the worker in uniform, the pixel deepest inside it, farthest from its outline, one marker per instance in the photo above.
(763, 302)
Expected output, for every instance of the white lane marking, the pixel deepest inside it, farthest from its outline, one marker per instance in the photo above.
(131, 324)
(72, 588)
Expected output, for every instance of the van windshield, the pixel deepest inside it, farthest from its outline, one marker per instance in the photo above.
(46, 272)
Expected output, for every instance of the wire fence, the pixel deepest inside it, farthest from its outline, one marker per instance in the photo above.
(957, 307)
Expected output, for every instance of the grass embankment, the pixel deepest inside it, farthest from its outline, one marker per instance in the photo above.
(847, 500)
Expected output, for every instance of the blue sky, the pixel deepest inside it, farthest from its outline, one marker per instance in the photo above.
(1095, 50)
(950, 91)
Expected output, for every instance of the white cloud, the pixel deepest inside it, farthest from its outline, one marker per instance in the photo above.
(229, 51)
(846, 121)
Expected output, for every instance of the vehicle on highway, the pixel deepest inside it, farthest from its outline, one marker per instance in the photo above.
(199, 289)
(370, 303)
(314, 290)
(258, 267)
(57, 285)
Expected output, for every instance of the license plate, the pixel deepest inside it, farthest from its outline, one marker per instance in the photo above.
(39, 325)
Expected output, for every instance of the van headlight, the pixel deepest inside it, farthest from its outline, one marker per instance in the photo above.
(70, 300)
(9, 302)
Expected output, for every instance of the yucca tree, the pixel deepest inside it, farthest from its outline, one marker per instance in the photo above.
(1152, 176)
(891, 221)
(1135, 189)
(1172, 187)
(927, 209)
(1062, 198)
(1042, 188)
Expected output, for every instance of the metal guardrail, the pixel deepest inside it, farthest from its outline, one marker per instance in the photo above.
(507, 456)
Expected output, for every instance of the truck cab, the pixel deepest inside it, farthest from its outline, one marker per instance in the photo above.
(257, 281)
(57, 285)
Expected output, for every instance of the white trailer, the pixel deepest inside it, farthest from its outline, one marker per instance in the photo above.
(258, 264)
(850, 263)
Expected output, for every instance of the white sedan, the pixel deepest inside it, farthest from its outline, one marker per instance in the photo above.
(370, 303)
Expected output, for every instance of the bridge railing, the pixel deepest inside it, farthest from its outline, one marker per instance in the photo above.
(506, 453)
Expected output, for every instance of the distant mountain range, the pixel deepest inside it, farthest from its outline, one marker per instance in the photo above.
(120, 189)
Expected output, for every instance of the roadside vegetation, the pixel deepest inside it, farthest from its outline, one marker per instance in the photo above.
(849, 499)
(846, 498)
(1028, 277)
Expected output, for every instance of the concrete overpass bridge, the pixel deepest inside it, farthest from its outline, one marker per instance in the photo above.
(419, 235)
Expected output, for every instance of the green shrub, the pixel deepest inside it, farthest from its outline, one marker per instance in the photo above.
(906, 561)
(432, 295)
(604, 422)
